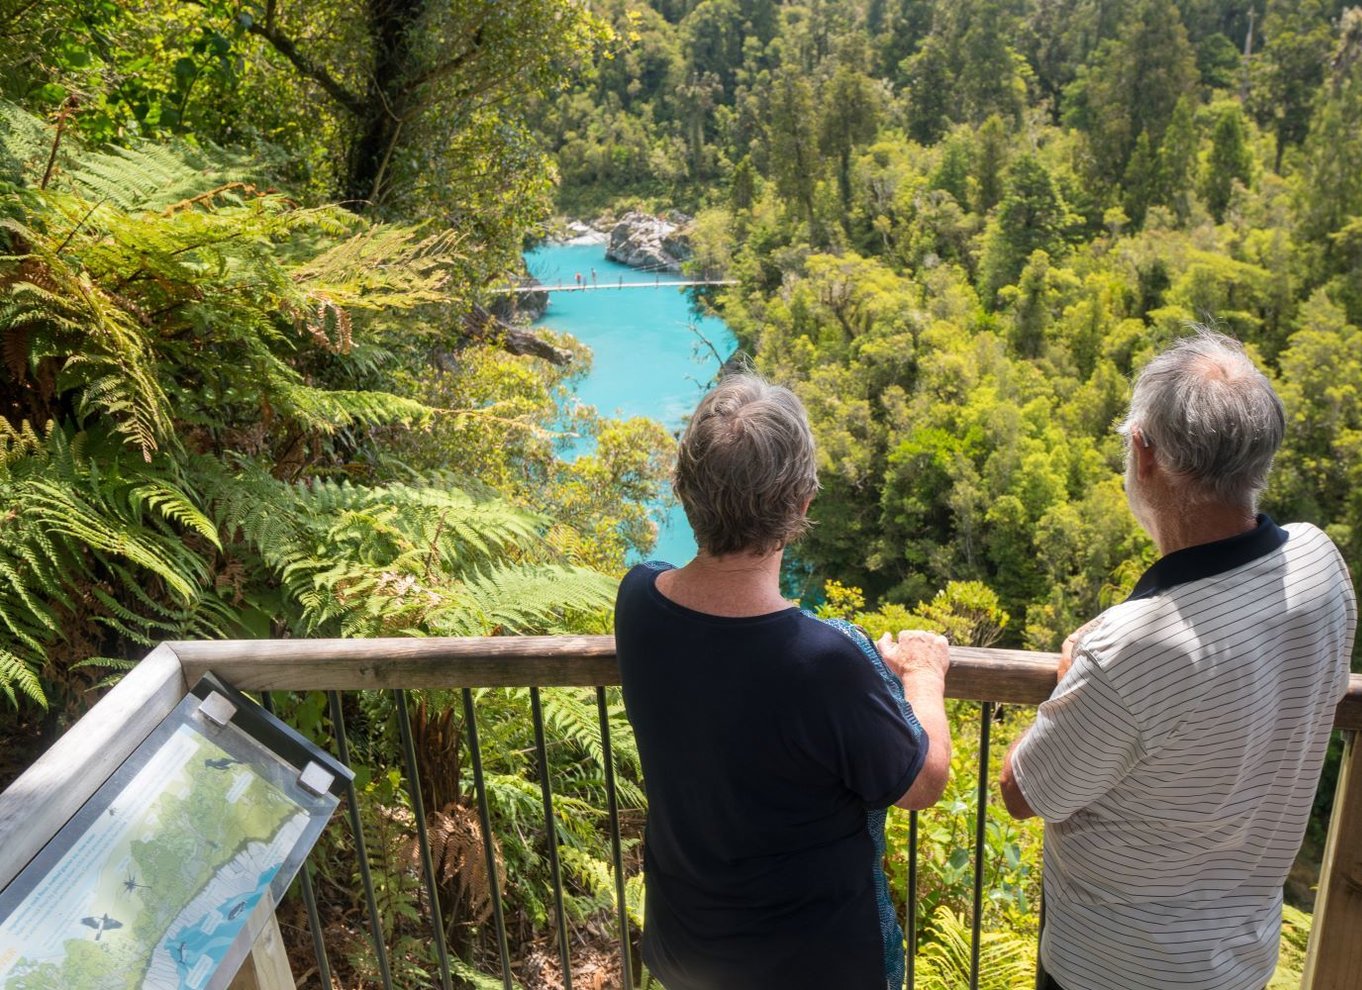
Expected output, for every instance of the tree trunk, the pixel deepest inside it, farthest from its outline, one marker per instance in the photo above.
(390, 27)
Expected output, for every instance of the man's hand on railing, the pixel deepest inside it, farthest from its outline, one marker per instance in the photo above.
(1066, 652)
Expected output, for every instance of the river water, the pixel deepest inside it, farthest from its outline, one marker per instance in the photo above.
(648, 356)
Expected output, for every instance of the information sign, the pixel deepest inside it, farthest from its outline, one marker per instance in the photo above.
(150, 885)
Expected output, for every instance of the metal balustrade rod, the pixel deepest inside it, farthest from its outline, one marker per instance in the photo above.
(361, 853)
(1040, 928)
(551, 826)
(980, 825)
(489, 850)
(314, 924)
(616, 854)
(910, 925)
(423, 837)
(314, 918)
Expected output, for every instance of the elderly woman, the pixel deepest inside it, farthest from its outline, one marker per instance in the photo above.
(772, 742)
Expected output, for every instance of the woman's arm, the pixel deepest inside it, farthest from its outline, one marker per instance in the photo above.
(921, 659)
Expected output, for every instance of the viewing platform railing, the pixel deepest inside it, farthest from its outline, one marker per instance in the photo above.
(41, 801)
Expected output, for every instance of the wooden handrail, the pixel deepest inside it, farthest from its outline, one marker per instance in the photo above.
(35, 806)
(1011, 676)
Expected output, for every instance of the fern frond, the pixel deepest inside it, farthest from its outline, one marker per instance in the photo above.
(1007, 961)
(116, 667)
(571, 713)
(18, 674)
(381, 268)
(477, 979)
(23, 138)
(62, 512)
(173, 504)
(522, 600)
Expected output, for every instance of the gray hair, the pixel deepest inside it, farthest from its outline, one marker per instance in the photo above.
(745, 469)
(1211, 416)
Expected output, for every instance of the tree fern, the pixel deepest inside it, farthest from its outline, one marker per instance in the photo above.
(1007, 961)
(202, 380)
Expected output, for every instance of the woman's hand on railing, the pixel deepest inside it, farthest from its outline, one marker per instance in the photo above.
(921, 659)
(916, 652)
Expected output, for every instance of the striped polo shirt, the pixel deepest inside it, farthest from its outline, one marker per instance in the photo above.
(1175, 764)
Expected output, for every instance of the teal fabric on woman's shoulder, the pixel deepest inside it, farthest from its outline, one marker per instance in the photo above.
(890, 931)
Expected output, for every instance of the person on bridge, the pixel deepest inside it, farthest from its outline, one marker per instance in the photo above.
(1176, 761)
(772, 742)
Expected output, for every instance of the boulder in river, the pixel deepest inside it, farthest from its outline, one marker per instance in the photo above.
(651, 243)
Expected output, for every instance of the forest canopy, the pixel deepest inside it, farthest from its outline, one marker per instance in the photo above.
(960, 228)
(256, 383)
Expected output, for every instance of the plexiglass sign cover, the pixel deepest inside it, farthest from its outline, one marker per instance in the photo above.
(152, 883)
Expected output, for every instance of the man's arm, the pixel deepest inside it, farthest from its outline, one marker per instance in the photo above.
(1013, 798)
(1009, 780)
(921, 659)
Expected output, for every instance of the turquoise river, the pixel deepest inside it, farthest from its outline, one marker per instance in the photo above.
(648, 355)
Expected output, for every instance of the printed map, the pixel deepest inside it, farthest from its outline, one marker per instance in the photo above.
(153, 894)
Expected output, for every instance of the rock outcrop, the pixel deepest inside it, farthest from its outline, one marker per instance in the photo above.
(513, 306)
(650, 243)
(577, 232)
(482, 326)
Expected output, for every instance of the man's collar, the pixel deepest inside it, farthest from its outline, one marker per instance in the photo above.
(1209, 559)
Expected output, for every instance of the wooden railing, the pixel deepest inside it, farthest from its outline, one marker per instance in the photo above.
(49, 793)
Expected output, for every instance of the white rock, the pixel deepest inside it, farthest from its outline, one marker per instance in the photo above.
(647, 242)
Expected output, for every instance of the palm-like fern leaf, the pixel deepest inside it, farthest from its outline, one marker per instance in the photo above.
(1007, 960)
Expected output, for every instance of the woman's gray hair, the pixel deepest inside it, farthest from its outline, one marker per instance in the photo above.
(745, 469)
(1211, 416)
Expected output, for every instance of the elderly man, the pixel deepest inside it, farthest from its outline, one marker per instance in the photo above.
(1175, 763)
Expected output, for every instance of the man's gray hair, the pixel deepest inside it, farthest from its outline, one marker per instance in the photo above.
(1211, 416)
(745, 469)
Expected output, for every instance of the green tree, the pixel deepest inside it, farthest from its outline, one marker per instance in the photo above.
(1321, 387)
(966, 70)
(849, 118)
(989, 67)
(1290, 68)
(1142, 179)
(1230, 159)
(1331, 190)
(898, 27)
(991, 160)
(953, 172)
(928, 75)
(1031, 217)
(792, 139)
(1177, 160)
(1058, 38)
(1132, 84)
(711, 36)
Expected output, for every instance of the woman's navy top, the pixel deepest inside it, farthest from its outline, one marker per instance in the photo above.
(771, 747)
